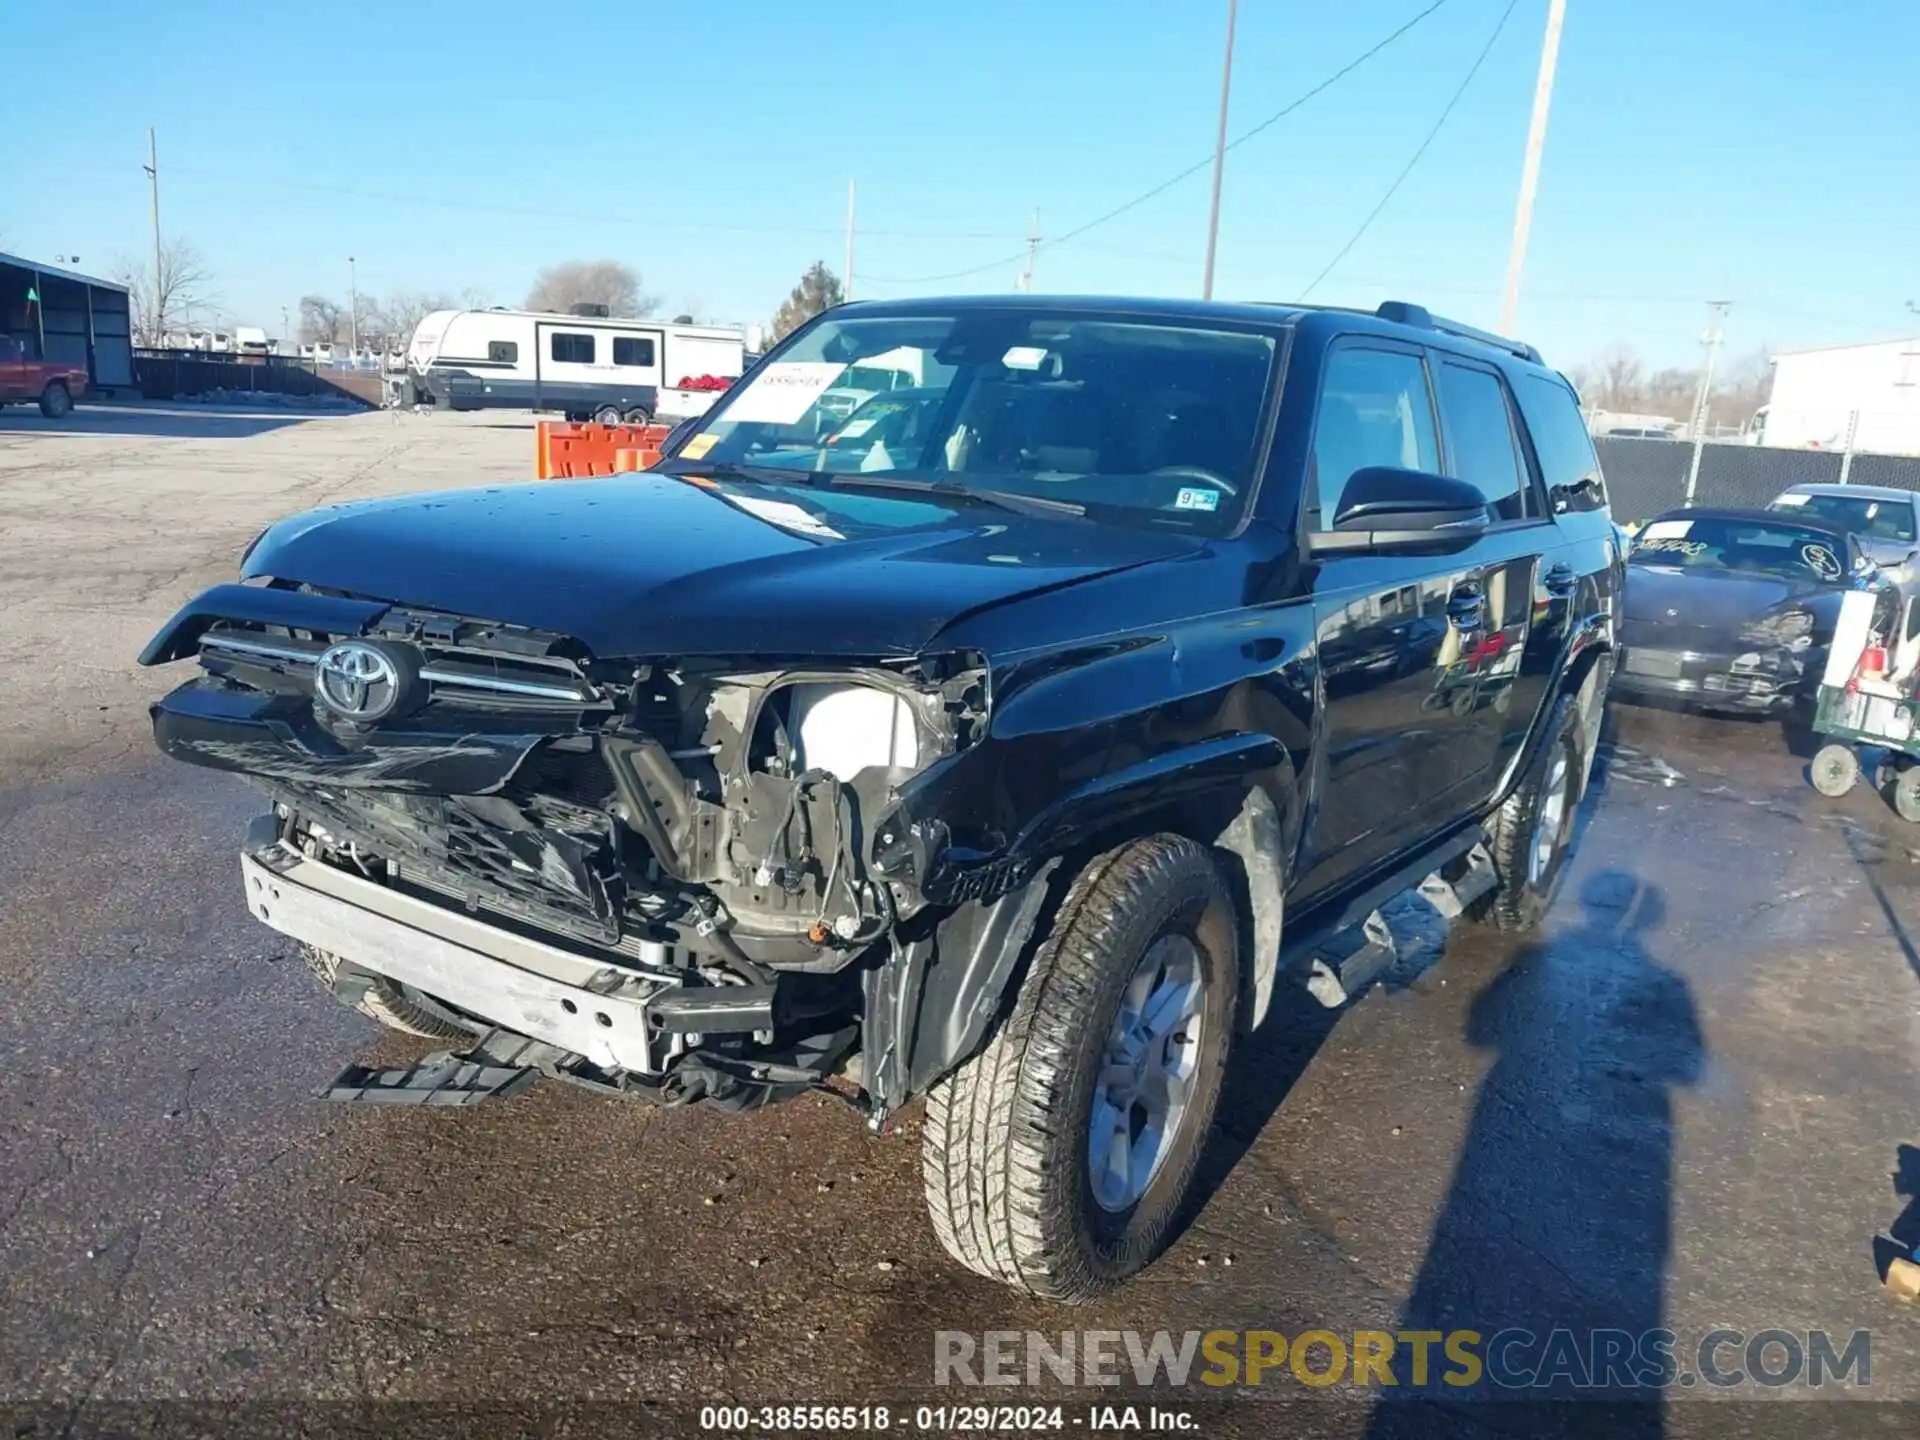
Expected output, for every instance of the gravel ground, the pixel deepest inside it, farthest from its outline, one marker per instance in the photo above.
(1680, 1106)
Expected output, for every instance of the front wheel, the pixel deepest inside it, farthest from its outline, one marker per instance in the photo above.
(1058, 1159)
(385, 1001)
(1906, 794)
(1528, 835)
(1834, 770)
(56, 401)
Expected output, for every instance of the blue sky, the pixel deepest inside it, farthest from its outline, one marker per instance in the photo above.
(1703, 149)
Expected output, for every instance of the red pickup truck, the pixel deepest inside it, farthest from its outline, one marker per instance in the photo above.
(53, 383)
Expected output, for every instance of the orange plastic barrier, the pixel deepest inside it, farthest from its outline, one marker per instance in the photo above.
(565, 451)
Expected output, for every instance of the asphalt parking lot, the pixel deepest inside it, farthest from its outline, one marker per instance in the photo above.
(1681, 1106)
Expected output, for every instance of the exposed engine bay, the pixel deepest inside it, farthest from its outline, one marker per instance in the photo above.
(707, 825)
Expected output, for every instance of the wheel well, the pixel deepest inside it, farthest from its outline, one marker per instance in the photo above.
(1246, 831)
(1587, 679)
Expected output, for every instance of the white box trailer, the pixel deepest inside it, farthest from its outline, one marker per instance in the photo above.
(1870, 392)
(586, 366)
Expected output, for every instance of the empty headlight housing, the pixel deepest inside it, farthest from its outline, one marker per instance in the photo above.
(1791, 628)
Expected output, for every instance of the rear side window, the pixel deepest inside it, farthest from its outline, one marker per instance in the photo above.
(503, 352)
(632, 350)
(572, 349)
(1480, 444)
(1567, 461)
(1374, 410)
(9, 348)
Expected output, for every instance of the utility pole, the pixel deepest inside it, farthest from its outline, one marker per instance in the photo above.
(1219, 157)
(1715, 333)
(1530, 169)
(1033, 249)
(156, 310)
(846, 274)
(353, 312)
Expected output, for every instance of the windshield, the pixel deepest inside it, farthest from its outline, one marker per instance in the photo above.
(1138, 421)
(1857, 514)
(1712, 545)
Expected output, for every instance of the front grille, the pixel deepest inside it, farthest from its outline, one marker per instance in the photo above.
(456, 665)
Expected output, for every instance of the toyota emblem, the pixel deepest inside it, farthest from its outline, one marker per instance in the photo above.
(357, 681)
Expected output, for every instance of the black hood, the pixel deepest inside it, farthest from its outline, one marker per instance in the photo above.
(650, 565)
(1714, 600)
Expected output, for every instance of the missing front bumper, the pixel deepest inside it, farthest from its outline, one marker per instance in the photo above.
(600, 1012)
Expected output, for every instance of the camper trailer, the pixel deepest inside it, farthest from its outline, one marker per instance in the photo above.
(587, 366)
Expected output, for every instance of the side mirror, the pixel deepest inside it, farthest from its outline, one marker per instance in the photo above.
(1388, 511)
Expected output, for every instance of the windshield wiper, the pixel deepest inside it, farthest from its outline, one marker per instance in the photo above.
(1003, 499)
(731, 470)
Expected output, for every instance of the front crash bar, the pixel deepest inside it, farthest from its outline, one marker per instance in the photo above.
(588, 1008)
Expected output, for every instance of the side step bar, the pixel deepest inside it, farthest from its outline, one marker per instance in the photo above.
(1350, 959)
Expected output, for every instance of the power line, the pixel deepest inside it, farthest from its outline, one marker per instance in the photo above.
(543, 212)
(1186, 174)
(1432, 135)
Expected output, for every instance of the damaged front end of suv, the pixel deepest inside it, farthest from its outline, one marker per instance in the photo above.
(701, 873)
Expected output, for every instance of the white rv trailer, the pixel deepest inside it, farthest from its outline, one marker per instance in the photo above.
(588, 366)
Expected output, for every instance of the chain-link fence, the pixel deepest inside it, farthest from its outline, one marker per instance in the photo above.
(1645, 477)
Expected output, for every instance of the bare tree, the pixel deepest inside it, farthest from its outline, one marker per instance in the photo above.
(390, 325)
(1743, 389)
(591, 282)
(474, 298)
(1616, 380)
(161, 295)
(319, 320)
(819, 290)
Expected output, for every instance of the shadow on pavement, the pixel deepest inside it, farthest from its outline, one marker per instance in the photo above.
(1903, 1236)
(1554, 1238)
(183, 422)
(1869, 872)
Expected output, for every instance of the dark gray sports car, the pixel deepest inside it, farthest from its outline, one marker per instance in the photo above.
(1733, 610)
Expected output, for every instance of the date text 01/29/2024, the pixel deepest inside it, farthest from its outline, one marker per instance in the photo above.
(943, 1419)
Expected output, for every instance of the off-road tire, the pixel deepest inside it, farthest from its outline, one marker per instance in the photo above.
(385, 1001)
(56, 401)
(1004, 1156)
(1517, 903)
(1834, 770)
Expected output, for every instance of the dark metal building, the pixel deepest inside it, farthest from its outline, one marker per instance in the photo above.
(57, 314)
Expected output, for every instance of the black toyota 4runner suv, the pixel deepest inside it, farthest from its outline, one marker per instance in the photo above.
(1015, 749)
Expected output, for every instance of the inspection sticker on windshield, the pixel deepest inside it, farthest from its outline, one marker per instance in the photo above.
(780, 393)
(1791, 500)
(1197, 499)
(697, 447)
(1667, 530)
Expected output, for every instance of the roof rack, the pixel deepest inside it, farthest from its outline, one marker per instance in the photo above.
(1400, 312)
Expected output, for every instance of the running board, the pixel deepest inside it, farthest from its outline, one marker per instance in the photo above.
(1455, 886)
(499, 1067)
(1350, 960)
